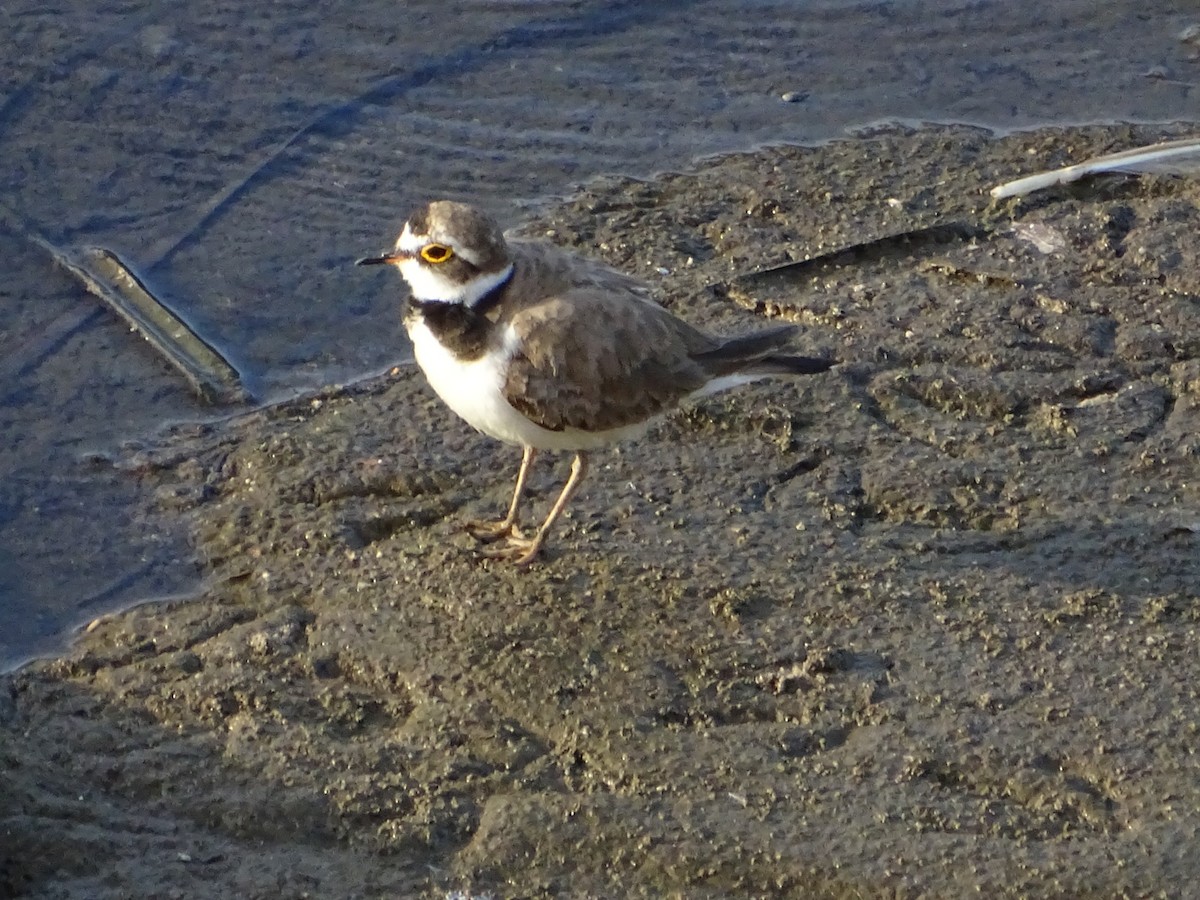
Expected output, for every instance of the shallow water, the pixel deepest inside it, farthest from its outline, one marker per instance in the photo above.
(241, 158)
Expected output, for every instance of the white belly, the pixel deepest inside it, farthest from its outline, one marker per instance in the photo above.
(475, 391)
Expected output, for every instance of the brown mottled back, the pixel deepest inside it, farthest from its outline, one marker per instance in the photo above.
(638, 369)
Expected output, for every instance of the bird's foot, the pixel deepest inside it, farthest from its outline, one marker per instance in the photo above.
(493, 531)
(517, 549)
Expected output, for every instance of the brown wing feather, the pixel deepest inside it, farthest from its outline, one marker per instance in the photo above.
(596, 359)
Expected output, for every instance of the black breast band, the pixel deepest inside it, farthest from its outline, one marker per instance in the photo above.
(463, 330)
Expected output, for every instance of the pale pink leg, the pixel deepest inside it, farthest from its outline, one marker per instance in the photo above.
(522, 550)
(506, 527)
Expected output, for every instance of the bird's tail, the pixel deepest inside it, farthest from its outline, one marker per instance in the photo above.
(755, 355)
(783, 364)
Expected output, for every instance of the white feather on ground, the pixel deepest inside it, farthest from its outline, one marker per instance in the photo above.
(1169, 158)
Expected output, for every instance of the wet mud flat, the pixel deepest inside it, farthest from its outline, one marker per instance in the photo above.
(924, 625)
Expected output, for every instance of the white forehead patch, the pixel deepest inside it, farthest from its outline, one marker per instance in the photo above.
(409, 242)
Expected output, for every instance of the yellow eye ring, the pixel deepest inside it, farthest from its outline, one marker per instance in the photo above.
(436, 253)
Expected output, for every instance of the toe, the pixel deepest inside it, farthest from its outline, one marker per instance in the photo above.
(518, 550)
(491, 531)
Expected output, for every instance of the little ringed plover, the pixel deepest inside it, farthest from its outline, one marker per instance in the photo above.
(547, 350)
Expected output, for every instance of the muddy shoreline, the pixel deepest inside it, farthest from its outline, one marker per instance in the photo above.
(269, 148)
(924, 625)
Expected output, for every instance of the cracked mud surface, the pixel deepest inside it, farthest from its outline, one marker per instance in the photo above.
(925, 625)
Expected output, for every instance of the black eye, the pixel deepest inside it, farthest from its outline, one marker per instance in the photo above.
(436, 253)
